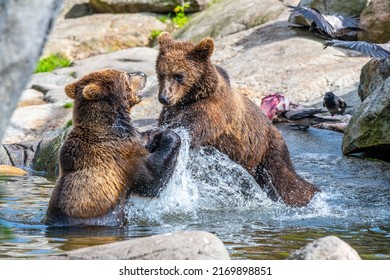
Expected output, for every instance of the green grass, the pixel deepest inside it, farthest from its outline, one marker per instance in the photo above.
(52, 62)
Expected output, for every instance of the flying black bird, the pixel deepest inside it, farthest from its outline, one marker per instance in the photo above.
(334, 104)
(304, 118)
(328, 26)
(367, 48)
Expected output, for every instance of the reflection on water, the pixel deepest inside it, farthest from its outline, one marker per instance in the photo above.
(209, 192)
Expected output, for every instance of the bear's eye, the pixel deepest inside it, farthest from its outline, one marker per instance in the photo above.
(178, 78)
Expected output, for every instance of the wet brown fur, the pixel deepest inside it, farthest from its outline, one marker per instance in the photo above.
(217, 116)
(103, 159)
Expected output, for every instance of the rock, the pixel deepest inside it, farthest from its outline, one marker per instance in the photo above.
(326, 248)
(6, 170)
(351, 8)
(78, 38)
(228, 17)
(31, 97)
(276, 58)
(37, 122)
(375, 19)
(22, 23)
(369, 128)
(74, 9)
(186, 245)
(139, 6)
(373, 74)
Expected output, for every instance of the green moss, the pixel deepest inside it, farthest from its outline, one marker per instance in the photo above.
(52, 62)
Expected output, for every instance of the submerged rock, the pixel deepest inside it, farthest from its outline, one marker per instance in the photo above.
(326, 248)
(188, 245)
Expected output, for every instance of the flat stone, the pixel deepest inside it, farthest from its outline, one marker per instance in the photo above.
(186, 245)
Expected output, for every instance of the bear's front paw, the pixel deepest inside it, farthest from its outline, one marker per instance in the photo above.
(164, 139)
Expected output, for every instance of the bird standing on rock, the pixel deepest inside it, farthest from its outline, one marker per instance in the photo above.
(334, 104)
(328, 26)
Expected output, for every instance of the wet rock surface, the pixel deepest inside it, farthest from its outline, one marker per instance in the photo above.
(188, 245)
(326, 248)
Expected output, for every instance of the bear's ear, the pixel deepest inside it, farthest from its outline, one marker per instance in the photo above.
(92, 92)
(203, 50)
(164, 40)
(70, 90)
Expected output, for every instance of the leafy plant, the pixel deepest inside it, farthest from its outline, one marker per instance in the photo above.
(68, 123)
(52, 62)
(68, 105)
(180, 18)
(154, 34)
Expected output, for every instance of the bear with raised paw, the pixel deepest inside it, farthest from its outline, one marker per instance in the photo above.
(103, 160)
(196, 95)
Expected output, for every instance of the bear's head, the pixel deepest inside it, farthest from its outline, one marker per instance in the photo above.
(184, 70)
(106, 95)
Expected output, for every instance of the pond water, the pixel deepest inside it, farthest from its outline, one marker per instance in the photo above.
(208, 192)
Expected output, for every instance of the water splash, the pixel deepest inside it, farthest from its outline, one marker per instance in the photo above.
(207, 180)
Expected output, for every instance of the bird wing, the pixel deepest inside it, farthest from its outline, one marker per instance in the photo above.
(370, 49)
(339, 22)
(299, 114)
(316, 16)
(342, 103)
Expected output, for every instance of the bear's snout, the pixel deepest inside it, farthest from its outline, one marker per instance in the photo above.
(163, 99)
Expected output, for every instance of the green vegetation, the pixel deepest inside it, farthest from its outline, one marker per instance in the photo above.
(154, 34)
(68, 123)
(68, 105)
(52, 62)
(180, 18)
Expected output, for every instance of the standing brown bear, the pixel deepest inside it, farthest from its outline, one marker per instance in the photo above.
(197, 95)
(103, 160)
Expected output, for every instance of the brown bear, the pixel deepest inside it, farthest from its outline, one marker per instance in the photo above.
(197, 96)
(103, 159)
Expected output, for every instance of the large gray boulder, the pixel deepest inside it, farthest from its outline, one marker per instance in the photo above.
(369, 128)
(138, 6)
(375, 19)
(186, 245)
(326, 248)
(372, 76)
(24, 26)
(228, 17)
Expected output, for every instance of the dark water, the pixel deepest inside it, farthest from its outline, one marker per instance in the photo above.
(206, 194)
